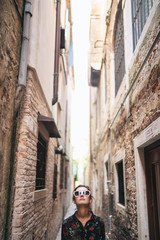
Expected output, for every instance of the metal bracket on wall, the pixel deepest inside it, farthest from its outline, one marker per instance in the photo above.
(102, 43)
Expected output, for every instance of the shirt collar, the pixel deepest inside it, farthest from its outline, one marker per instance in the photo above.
(93, 217)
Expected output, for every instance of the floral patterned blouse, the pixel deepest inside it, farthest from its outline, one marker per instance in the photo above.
(73, 229)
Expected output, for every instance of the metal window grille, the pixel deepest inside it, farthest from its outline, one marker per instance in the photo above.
(119, 49)
(61, 173)
(120, 182)
(105, 77)
(97, 115)
(140, 13)
(55, 182)
(66, 177)
(41, 163)
(106, 165)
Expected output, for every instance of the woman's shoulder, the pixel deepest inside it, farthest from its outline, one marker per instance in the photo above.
(68, 220)
(97, 218)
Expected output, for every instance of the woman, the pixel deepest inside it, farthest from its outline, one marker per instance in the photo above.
(83, 224)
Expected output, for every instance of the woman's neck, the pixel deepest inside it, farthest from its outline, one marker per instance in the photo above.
(83, 213)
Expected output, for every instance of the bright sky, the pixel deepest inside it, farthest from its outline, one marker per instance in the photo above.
(80, 101)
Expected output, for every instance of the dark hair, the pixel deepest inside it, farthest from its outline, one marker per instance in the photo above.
(81, 185)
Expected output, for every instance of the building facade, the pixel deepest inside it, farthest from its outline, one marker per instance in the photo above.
(124, 79)
(36, 88)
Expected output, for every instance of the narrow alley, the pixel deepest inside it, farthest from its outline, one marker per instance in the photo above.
(80, 104)
(69, 213)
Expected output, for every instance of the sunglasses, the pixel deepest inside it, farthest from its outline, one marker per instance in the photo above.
(78, 193)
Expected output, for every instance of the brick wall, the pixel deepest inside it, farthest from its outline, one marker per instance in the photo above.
(35, 217)
(144, 109)
(10, 38)
(141, 108)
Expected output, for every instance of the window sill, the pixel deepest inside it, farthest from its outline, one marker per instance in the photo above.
(121, 208)
(39, 194)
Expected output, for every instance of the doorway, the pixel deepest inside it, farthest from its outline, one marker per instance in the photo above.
(152, 170)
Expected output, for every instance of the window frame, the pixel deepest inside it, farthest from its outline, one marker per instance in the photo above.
(55, 181)
(119, 48)
(66, 178)
(106, 174)
(119, 156)
(45, 135)
(62, 173)
(42, 145)
(120, 177)
(140, 15)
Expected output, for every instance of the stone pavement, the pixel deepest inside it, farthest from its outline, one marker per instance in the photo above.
(70, 212)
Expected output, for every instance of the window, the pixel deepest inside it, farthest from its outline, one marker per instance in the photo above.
(106, 174)
(55, 182)
(119, 48)
(66, 177)
(140, 13)
(61, 173)
(105, 78)
(41, 162)
(106, 165)
(119, 168)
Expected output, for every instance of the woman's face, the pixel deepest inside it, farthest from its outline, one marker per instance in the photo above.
(82, 197)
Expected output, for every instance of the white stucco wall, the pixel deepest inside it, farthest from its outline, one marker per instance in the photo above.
(42, 44)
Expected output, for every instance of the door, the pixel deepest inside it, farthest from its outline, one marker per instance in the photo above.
(152, 164)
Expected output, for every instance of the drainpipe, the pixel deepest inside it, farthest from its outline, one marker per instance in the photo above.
(110, 187)
(18, 97)
(57, 54)
(24, 54)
